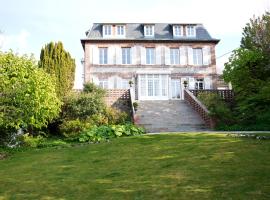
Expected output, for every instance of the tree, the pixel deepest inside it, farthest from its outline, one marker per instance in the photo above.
(248, 70)
(58, 63)
(27, 94)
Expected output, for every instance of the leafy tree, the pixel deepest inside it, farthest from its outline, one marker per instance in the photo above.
(248, 70)
(58, 62)
(27, 94)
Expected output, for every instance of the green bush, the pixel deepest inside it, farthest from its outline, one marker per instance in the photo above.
(101, 133)
(31, 141)
(92, 88)
(71, 128)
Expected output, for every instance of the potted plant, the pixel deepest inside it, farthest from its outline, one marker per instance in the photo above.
(185, 84)
(135, 106)
(130, 83)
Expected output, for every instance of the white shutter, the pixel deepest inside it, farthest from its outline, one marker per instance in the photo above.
(143, 55)
(207, 83)
(111, 82)
(206, 55)
(111, 55)
(183, 56)
(190, 56)
(167, 56)
(118, 52)
(191, 83)
(133, 55)
(158, 55)
(95, 54)
(119, 83)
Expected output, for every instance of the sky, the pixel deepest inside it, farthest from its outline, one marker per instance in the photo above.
(27, 25)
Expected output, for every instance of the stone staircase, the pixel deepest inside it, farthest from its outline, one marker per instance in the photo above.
(168, 116)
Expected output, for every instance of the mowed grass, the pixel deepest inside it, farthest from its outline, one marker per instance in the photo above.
(170, 166)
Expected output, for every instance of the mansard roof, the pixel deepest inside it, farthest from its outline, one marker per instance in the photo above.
(163, 32)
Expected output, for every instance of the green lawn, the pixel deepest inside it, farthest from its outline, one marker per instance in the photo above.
(174, 166)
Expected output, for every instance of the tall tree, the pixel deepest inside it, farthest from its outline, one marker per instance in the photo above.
(59, 63)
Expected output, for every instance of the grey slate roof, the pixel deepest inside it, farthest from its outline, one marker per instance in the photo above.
(135, 31)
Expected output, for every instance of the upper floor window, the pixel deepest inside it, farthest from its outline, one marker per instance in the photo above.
(199, 84)
(120, 30)
(103, 55)
(177, 30)
(190, 31)
(126, 57)
(107, 30)
(197, 56)
(149, 30)
(174, 54)
(150, 56)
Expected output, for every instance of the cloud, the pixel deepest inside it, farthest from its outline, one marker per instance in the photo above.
(17, 42)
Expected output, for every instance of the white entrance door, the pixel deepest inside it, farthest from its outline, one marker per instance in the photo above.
(153, 87)
(176, 94)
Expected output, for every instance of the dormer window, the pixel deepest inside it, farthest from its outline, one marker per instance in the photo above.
(190, 31)
(107, 30)
(120, 30)
(149, 30)
(177, 31)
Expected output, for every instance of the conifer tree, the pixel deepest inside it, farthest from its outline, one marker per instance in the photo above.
(59, 64)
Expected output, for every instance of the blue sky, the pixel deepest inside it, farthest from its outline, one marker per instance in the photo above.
(27, 25)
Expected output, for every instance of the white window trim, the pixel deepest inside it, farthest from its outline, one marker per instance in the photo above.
(174, 56)
(196, 55)
(116, 31)
(104, 30)
(102, 59)
(153, 61)
(103, 83)
(175, 32)
(130, 57)
(194, 31)
(151, 30)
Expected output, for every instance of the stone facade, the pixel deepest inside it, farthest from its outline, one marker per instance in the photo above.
(159, 80)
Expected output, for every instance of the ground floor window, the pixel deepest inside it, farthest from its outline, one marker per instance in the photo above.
(103, 83)
(199, 84)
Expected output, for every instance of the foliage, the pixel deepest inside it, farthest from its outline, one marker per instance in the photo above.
(31, 141)
(217, 107)
(248, 70)
(28, 98)
(56, 61)
(71, 128)
(135, 105)
(92, 88)
(101, 133)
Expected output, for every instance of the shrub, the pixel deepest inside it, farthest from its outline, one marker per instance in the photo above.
(71, 128)
(31, 141)
(92, 88)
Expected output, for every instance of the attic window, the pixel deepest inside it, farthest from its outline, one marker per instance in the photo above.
(177, 30)
(149, 30)
(107, 30)
(120, 30)
(190, 31)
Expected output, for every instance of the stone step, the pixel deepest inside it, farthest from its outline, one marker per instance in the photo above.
(168, 116)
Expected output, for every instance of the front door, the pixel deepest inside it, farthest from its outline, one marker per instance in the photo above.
(176, 93)
(153, 87)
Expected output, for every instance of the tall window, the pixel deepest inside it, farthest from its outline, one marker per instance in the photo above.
(174, 56)
(190, 31)
(149, 30)
(107, 30)
(103, 55)
(150, 56)
(126, 57)
(103, 83)
(197, 56)
(120, 30)
(177, 30)
(199, 84)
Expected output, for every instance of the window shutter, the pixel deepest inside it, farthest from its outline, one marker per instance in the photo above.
(183, 56)
(111, 82)
(158, 55)
(133, 52)
(95, 54)
(206, 55)
(111, 55)
(207, 83)
(190, 56)
(191, 83)
(143, 55)
(167, 56)
(118, 52)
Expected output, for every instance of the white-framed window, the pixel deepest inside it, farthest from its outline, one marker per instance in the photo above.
(175, 57)
(103, 83)
(197, 56)
(150, 56)
(126, 56)
(199, 84)
(120, 30)
(149, 30)
(107, 30)
(190, 31)
(177, 30)
(125, 84)
(103, 55)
